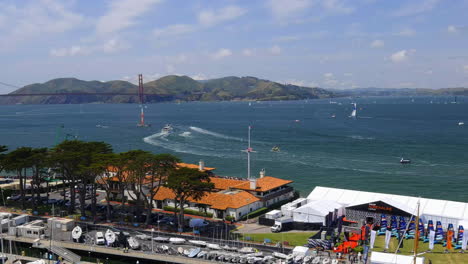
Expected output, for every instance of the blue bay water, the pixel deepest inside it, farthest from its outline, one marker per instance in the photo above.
(316, 149)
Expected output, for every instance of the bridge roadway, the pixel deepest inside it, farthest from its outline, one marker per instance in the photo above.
(45, 243)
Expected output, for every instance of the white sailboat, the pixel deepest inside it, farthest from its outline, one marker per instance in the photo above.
(354, 112)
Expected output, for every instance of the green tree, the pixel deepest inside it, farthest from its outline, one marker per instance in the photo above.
(137, 176)
(38, 162)
(19, 161)
(188, 183)
(106, 164)
(159, 167)
(2, 156)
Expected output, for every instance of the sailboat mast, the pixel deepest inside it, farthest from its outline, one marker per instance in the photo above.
(416, 237)
(248, 156)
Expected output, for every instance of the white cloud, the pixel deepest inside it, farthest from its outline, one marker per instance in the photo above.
(407, 32)
(465, 68)
(247, 52)
(199, 77)
(174, 30)
(416, 7)
(377, 43)
(337, 6)
(113, 45)
(221, 53)
(452, 29)
(213, 17)
(122, 14)
(285, 9)
(36, 19)
(328, 75)
(72, 51)
(401, 55)
(275, 50)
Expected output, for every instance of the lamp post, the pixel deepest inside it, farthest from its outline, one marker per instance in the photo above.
(152, 241)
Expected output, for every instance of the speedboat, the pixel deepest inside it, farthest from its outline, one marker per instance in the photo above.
(405, 161)
(275, 149)
(461, 123)
(167, 129)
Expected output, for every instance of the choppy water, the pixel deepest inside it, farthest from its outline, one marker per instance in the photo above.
(316, 149)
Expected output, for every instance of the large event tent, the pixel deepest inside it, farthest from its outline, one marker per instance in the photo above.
(447, 212)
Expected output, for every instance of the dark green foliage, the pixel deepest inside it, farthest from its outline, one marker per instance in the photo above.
(255, 213)
(188, 211)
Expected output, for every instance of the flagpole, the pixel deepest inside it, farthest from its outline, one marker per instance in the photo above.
(248, 156)
(416, 237)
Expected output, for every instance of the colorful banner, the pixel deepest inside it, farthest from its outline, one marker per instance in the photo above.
(431, 239)
(449, 239)
(372, 238)
(460, 233)
(464, 242)
(388, 235)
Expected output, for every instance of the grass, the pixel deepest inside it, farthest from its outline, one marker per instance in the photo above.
(437, 255)
(294, 239)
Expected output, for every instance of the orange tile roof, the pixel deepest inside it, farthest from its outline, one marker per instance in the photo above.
(220, 201)
(193, 166)
(263, 184)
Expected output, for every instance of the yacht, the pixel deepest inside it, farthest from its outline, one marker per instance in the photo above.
(167, 128)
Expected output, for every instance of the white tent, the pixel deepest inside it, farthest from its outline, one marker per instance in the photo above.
(390, 258)
(316, 211)
(447, 212)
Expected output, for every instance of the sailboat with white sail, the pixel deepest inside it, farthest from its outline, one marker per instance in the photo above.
(354, 112)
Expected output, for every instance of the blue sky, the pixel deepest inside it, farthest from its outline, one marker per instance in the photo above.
(327, 43)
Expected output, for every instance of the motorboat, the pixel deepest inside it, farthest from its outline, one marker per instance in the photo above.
(275, 149)
(167, 129)
(186, 252)
(143, 237)
(213, 246)
(280, 255)
(110, 236)
(198, 243)
(99, 238)
(180, 250)
(316, 260)
(202, 254)
(247, 250)
(161, 239)
(326, 261)
(333, 116)
(405, 161)
(194, 252)
(76, 233)
(176, 240)
(461, 123)
(335, 261)
(133, 243)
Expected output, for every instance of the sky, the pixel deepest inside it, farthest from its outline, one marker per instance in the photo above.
(326, 43)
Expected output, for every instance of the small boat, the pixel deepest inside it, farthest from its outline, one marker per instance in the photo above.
(405, 161)
(354, 112)
(316, 260)
(167, 129)
(143, 237)
(307, 259)
(461, 123)
(280, 255)
(161, 239)
(335, 261)
(110, 236)
(101, 126)
(247, 250)
(133, 243)
(164, 248)
(180, 250)
(213, 246)
(333, 116)
(186, 252)
(194, 252)
(275, 149)
(326, 261)
(298, 258)
(202, 254)
(176, 240)
(76, 233)
(198, 243)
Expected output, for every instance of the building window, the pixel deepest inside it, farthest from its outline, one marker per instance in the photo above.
(240, 213)
(250, 209)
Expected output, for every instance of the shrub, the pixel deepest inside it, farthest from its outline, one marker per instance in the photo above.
(255, 213)
(358, 249)
(229, 218)
(188, 211)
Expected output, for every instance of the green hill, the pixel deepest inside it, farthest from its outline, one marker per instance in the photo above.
(168, 88)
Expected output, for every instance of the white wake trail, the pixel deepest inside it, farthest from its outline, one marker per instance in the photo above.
(214, 134)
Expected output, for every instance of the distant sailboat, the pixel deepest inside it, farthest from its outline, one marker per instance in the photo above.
(354, 112)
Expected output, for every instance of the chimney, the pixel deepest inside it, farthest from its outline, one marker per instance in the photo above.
(253, 184)
(262, 173)
(201, 165)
